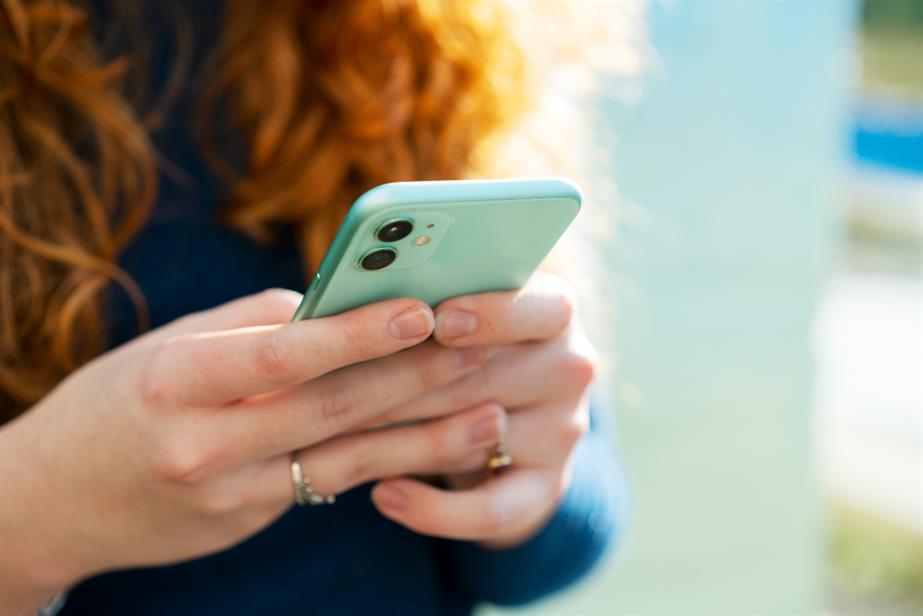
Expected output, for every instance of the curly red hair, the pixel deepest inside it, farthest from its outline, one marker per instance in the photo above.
(331, 98)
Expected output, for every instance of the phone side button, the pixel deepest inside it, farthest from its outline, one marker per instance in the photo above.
(314, 282)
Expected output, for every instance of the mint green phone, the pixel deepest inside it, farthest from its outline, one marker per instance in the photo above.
(437, 240)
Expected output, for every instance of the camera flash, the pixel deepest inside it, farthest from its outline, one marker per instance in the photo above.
(421, 240)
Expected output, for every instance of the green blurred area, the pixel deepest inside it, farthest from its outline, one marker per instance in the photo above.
(892, 46)
(892, 59)
(906, 14)
(876, 560)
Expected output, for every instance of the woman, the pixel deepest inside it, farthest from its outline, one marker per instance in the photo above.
(152, 474)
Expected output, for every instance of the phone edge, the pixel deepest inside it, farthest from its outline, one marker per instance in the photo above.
(384, 195)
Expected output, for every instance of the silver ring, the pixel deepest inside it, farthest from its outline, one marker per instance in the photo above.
(304, 492)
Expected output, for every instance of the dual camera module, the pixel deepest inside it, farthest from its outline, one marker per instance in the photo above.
(390, 232)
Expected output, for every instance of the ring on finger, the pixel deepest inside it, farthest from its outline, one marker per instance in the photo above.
(499, 458)
(304, 492)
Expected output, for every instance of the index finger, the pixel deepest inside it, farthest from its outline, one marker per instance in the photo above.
(539, 311)
(218, 367)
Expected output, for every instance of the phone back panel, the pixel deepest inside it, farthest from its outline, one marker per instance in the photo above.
(469, 236)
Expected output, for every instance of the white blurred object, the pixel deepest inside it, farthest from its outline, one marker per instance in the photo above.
(869, 350)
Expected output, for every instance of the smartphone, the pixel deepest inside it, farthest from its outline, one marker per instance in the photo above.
(437, 240)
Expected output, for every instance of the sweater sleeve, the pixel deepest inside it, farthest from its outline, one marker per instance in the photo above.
(588, 520)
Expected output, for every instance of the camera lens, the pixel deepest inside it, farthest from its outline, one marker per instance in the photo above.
(395, 230)
(378, 259)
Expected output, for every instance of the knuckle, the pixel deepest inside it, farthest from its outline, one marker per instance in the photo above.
(272, 355)
(439, 449)
(181, 460)
(580, 367)
(338, 405)
(356, 337)
(431, 374)
(572, 431)
(154, 387)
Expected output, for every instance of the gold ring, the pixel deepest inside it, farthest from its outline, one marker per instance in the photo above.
(304, 492)
(499, 458)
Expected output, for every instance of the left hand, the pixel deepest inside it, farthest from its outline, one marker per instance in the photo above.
(540, 367)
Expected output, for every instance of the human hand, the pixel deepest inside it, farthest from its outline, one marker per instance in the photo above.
(179, 443)
(540, 367)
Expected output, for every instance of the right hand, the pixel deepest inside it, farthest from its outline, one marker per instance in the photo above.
(178, 444)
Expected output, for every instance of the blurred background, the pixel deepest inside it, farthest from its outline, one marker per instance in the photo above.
(767, 301)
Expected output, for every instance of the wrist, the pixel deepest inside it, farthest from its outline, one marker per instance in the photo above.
(27, 583)
(33, 567)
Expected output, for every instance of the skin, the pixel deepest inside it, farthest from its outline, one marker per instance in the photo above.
(179, 443)
(540, 366)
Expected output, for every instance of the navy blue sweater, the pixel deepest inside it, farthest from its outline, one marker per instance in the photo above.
(344, 559)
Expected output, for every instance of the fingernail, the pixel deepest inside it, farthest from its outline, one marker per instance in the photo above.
(470, 356)
(412, 323)
(456, 323)
(391, 498)
(485, 431)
